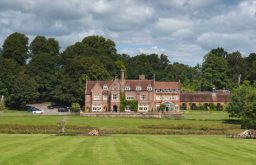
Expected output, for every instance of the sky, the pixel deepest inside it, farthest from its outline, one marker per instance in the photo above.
(184, 30)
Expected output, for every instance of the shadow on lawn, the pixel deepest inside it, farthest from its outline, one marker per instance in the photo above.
(232, 121)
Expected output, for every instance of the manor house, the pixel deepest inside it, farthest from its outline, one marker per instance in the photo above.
(149, 96)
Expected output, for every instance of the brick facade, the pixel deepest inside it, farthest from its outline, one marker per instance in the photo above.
(105, 96)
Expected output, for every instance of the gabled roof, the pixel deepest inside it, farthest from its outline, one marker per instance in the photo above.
(204, 97)
(134, 83)
(167, 85)
(142, 83)
(90, 85)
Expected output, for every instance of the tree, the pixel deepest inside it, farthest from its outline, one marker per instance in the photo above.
(38, 45)
(43, 68)
(236, 67)
(24, 91)
(71, 78)
(214, 72)
(9, 70)
(16, 47)
(100, 44)
(243, 105)
(53, 46)
(2, 106)
(96, 47)
(41, 44)
(220, 52)
(251, 67)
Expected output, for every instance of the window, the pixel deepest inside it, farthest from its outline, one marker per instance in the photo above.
(114, 97)
(143, 97)
(96, 108)
(149, 88)
(129, 98)
(127, 88)
(143, 107)
(96, 97)
(105, 87)
(138, 88)
(157, 90)
(115, 88)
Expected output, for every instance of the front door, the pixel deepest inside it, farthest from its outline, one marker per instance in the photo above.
(115, 108)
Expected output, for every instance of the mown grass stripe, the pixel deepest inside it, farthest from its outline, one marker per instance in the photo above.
(126, 149)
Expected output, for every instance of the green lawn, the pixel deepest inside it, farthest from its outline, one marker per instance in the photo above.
(205, 115)
(125, 149)
(194, 120)
(189, 118)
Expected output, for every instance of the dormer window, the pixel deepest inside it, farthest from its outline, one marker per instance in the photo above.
(149, 88)
(127, 88)
(105, 87)
(138, 88)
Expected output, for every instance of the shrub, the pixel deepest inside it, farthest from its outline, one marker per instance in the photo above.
(2, 106)
(75, 107)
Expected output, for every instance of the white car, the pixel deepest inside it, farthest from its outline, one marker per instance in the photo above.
(38, 112)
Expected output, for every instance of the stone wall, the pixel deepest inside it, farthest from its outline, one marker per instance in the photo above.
(133, 114)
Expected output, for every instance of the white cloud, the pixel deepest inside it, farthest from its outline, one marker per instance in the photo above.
(152, 50)
(183, 29)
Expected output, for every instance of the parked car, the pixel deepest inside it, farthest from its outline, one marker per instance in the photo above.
(63, 109)
(29, 108)
(38, 111)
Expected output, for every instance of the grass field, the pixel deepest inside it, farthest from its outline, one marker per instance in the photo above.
(125, 149)
(191, 118)
(193, 122)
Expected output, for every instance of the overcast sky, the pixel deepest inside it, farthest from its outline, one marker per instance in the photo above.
(185, 30)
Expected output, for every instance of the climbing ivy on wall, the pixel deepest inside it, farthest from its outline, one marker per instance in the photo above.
(132, 103)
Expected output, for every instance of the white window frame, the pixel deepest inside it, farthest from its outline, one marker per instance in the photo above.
(127, 88)
(96, 108)
(143, 108)
(105, 87)
(149, 88)
(138, 88)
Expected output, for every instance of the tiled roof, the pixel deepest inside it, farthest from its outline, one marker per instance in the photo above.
(204, 97)
(142, 83)
(167, 85)
(90, 85)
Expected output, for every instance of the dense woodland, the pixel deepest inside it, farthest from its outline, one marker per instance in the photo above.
(39, 72)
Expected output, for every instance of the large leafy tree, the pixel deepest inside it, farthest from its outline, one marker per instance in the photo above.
(214, 72)
(236, 67)
(24, 91)
(38, 45)
(243, 105)
(9, 70)
(72, 77)
(41, 44)
(251, 67)
(43, 68)
(16, 47)
(97, 47)
(147, 64)
(220, 52)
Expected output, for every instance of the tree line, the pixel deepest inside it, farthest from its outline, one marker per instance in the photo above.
(39, 71)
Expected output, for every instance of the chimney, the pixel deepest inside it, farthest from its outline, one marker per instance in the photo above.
(142, 77)
(122, 74)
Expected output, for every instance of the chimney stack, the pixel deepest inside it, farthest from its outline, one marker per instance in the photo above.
(142, 77)
(122, 74)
